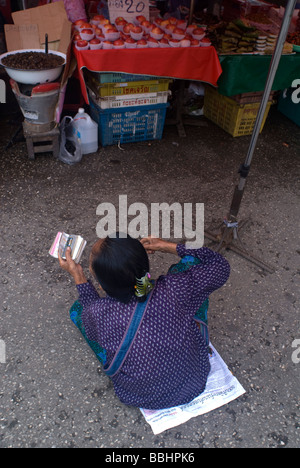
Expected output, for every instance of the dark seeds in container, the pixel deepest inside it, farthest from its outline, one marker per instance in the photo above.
(32, 61)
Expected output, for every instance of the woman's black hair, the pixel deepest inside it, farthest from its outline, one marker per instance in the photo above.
(117, 265)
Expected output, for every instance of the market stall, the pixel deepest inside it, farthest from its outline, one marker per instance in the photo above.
(243, 39)
(230, 49)
(200, 64)
(248, 73)
(145, 52)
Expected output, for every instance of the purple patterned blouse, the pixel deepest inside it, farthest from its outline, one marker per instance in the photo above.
(168, 363)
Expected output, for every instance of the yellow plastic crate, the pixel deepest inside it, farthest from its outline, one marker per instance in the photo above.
(133, 87)
(236, 119)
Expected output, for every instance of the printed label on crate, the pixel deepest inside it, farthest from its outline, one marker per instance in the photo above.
(128, 9)
(142, 87)
(137, 90)
(136, 97)
(136, 102)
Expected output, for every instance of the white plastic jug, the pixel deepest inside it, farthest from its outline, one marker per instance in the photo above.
(88, 131)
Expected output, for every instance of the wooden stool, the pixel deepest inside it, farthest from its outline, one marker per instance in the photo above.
(41, 138)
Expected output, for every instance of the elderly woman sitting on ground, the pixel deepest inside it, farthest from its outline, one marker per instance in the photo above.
(151, 337)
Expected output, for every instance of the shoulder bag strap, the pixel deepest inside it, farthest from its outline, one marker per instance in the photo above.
(129, 337)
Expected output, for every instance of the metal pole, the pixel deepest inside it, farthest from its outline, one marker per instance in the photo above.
(192, 8)
(272, 72)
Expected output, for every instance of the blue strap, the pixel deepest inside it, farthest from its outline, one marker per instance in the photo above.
(121, 353)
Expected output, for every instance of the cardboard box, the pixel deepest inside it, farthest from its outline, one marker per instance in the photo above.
(21, 37)
(31, 26)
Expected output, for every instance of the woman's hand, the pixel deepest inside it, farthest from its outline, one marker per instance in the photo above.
(153, 244)
(74, 269)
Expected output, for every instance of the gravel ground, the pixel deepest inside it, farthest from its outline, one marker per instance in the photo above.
(52, 392)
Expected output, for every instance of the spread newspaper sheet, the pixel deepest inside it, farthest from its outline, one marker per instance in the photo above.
(222, 387)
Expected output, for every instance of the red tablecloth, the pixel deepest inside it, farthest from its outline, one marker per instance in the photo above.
(188, 63)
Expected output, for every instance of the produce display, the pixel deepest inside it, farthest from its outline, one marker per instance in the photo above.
(171, 32)
(241, 37)
(236, 37)
(271, 43)
(294, 38)
(259, 18)
(252, 33)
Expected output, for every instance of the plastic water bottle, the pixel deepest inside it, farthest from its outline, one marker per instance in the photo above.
(88, 132)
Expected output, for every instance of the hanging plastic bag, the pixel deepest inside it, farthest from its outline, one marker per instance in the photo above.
(70, 147)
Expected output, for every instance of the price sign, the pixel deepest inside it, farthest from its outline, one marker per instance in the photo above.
(128, 9)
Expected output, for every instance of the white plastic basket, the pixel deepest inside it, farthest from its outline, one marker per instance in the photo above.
(115, 102)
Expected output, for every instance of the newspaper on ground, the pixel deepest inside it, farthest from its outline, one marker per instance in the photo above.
(221, 388)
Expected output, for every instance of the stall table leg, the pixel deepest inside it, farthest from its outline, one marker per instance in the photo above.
(181, 120)
(41, 142)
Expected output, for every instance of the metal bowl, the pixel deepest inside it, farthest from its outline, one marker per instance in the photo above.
(33, 77)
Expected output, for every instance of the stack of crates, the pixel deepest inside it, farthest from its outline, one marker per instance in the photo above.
(236, 114)
(128, 108)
